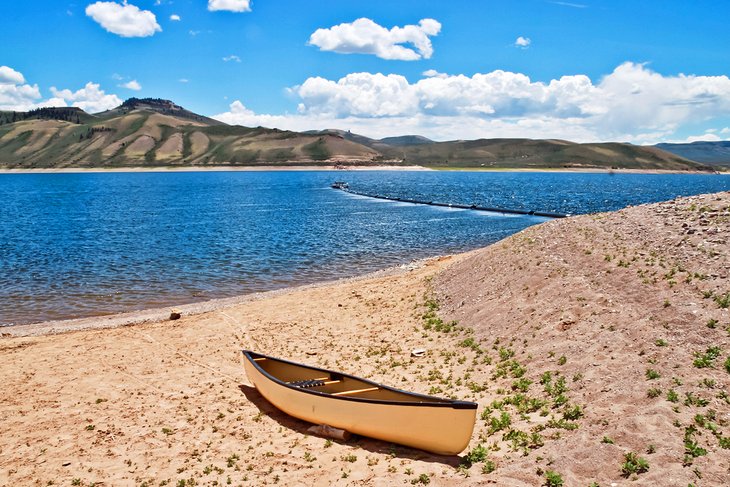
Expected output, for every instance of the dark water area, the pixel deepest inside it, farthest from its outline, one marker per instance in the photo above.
(74, 245)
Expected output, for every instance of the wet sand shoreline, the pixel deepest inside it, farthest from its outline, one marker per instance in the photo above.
(158, 314)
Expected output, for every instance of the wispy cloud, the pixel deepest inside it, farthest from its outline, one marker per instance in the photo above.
(232, 57)
(568, 4)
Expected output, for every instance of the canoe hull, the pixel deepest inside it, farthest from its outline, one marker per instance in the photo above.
(439, 429)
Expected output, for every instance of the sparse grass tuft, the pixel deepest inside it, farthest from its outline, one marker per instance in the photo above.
(476, 455)
(421, 479)
(490, 466)
(633, 464)
(723, 300)
(691, 449)
(654, 392)
(349, 458)
(672, 396)
(707, 359)
(553, 479)
(652, 374)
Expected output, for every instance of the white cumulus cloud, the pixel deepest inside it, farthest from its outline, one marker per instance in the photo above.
(17, 95)
(123, 19)
(230, 5)
(9, 76)
(505, 104)
(363, 36)
(131, 85)
(91, 98)
(496, 94)
(175, 18)
(523, 42)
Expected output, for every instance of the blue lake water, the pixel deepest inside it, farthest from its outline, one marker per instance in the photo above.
(74, 245)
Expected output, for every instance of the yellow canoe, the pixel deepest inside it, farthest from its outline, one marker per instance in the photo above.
(363, 407)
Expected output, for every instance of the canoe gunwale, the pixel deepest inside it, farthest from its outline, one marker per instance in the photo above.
(427, 401)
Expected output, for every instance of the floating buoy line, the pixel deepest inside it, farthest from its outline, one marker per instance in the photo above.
(343, 186)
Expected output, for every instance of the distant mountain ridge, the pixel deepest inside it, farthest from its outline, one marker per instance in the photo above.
(710, 153)
(155, 132)
(406, 140)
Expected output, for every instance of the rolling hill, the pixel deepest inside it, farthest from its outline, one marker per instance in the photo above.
(539, 154)
(154, 132)
(158, 133)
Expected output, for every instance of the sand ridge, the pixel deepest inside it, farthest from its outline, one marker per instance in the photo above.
(621, 305)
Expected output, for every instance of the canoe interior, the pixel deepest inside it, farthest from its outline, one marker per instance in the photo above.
(339, 385)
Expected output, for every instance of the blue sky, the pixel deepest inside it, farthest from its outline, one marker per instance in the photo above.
(582, 70)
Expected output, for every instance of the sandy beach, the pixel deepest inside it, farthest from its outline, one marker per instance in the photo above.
(583, 340)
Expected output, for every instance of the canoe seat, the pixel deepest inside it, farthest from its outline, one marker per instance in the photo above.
(305, 384)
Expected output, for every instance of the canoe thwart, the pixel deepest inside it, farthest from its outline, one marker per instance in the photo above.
(356, 391)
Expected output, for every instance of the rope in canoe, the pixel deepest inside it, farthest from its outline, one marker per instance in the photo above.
(184, 356)
(248, 342)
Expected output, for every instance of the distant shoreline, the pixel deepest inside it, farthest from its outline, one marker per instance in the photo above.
(208, 169)
(75, 170)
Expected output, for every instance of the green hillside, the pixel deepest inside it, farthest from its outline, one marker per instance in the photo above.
(158, 133)
(526, 153)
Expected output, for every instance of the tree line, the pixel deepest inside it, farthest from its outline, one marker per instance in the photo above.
(67, 114)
